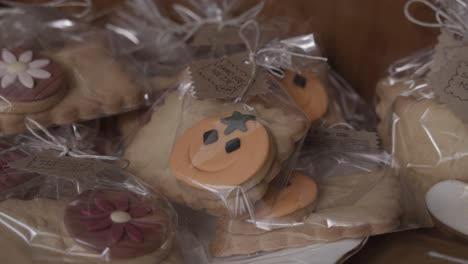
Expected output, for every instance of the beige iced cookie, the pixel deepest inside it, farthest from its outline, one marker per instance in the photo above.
(429, 144)
(387, 91)
(42, 230)
(97, 86)
(150, 151)
(350, 206)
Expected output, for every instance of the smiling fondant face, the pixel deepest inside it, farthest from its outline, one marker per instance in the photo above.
(225, 150)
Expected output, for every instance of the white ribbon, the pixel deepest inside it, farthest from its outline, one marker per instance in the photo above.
(445, 15)
(193, 21)
(254, 53)
(51, 142)
(85, 5)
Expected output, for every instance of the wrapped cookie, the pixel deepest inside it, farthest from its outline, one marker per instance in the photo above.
(86, 211)
(315, 251)
(424, 105)
(58, 71)
(227, 133)
(78, 140)
(342, 187)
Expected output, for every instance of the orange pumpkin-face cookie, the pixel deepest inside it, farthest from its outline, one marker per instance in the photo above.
(308, 92)
(226, 150)
(300, 193)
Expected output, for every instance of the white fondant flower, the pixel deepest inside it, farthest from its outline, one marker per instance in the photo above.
(22, 68)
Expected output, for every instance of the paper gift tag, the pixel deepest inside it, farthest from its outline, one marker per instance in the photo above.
(48, 163)
(227, 77)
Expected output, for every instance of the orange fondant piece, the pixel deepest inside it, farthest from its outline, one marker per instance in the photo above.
(300, 193)
(309, 93)
(203, 165)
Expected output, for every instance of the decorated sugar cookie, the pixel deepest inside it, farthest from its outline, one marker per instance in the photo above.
(30, 82)
(121, 222)
(225, 150)
(447, 201)
(299, 194)
(308, 92)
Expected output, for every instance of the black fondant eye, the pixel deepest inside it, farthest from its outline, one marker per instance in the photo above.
(232, 145)
(299, 80)
(210, 137)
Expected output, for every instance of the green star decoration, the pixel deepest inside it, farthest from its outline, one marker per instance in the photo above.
(236, 122)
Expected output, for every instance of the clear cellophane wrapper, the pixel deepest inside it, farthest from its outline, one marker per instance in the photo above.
(341, 188)
(422, 109)
(161, 39)
(191, 136)
(427, 139)
(57, 70)
(266, 113)
(96, 137)
(161, 151)
(58, 209)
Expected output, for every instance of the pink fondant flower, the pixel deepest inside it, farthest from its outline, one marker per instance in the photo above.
(117, 216)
